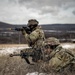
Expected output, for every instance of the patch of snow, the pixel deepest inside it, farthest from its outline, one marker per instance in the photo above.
(9, 50)
(69, 46)
(35, 73)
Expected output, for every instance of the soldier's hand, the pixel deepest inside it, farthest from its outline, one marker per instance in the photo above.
(18, 29)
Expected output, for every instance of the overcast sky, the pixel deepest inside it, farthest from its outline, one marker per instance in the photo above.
(45, 11)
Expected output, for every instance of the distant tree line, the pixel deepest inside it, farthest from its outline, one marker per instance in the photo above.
(18, 38)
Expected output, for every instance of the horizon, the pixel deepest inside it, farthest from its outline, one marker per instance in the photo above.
(39, 24)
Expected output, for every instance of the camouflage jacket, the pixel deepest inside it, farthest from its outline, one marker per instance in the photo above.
(59, 59)
(36, 38)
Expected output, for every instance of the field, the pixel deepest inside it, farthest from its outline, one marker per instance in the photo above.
(18, 66)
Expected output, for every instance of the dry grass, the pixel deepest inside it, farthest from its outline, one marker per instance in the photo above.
(13, 66)
(13, 45)
(18, 66)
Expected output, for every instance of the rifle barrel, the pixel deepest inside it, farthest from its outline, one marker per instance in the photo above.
(11, 55)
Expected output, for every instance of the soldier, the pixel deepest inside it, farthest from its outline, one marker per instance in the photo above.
(56, 57)
(35, 37)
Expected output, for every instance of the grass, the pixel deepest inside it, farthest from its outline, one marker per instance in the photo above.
(18, 66)
(13, 66)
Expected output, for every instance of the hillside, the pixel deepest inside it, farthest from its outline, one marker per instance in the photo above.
(62, 27)
(6, 25)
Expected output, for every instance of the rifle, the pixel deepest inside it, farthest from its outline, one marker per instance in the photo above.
(36, 55)
(24, 55)
(27, 29)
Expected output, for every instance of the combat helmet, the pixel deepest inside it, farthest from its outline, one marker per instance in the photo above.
(52, 41)
(32, 22)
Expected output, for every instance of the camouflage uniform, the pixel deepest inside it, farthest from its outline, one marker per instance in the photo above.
(58, 58)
